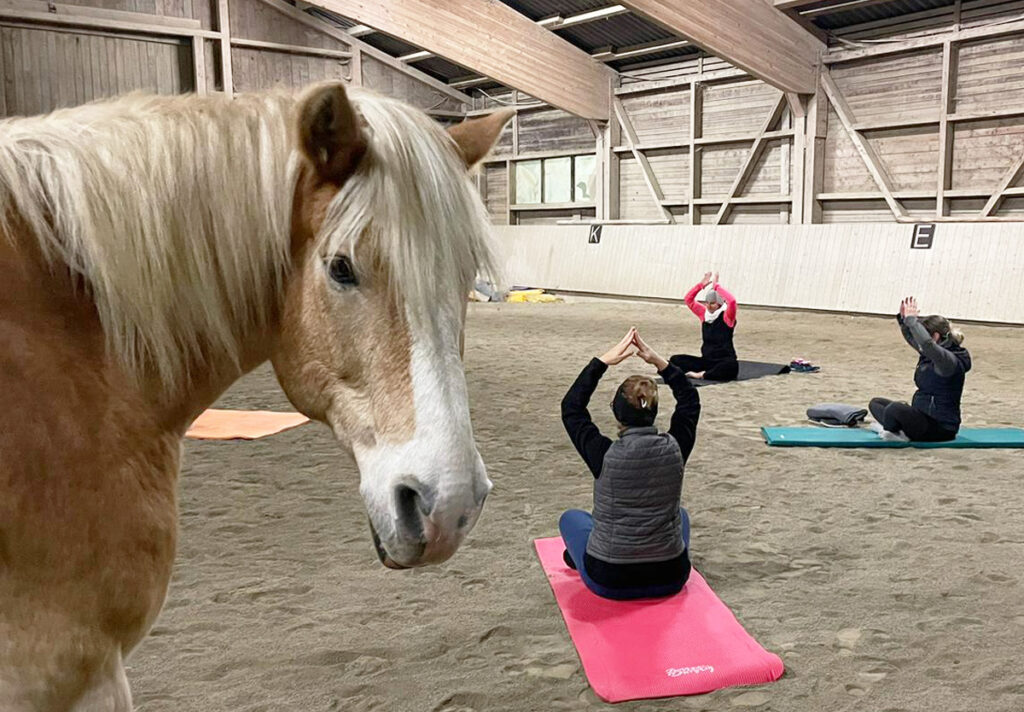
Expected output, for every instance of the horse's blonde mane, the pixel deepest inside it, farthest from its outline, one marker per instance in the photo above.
(176, 212)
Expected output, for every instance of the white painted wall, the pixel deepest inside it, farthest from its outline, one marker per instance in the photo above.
(971, 272)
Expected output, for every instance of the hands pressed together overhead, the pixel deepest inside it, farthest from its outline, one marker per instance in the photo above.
(632, 345)
(709, 278)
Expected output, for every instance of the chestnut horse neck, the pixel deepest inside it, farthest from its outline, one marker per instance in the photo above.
(171, 214)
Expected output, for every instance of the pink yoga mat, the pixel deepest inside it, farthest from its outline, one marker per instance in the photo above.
(687, 644)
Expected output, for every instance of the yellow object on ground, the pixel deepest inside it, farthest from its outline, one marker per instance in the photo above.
(532, 296)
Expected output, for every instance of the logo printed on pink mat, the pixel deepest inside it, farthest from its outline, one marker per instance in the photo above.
(679, 672)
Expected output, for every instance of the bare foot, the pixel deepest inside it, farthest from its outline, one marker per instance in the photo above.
(693, 374)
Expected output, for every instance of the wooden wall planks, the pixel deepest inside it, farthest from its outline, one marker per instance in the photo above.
(255, 70)
(84, 66)
(660, 118)
(255, 20)
(202, 10)
(42, 68)
(496, 192)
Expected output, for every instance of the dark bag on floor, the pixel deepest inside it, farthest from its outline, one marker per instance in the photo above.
(837, 415)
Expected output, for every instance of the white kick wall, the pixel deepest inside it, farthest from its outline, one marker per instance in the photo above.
(973, 272)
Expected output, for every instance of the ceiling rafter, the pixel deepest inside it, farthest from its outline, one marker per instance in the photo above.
(494, 40)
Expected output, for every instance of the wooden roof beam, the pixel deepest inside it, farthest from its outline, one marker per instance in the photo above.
(751, 35)
(496, 41)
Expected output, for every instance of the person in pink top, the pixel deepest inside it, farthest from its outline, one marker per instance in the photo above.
(717, 360)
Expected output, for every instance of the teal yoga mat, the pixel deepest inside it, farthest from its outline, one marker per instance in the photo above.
(861, 437)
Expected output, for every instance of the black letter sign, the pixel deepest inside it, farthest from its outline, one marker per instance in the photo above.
(923, 237)
(595, 235)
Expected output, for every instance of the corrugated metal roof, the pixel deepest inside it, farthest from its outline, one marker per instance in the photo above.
(331, 17)
(850, 13)
(539, 9)
(625, 65)
(619, 31)
(442, 68)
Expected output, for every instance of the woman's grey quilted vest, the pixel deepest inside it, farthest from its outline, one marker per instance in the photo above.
(636, 500)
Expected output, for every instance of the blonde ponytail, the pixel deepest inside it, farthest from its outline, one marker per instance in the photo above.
(936, 324)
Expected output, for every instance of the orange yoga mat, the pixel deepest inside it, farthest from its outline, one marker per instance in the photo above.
(216, 424)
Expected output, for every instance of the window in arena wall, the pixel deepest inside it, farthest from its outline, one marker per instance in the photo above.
(560, 180)
(528, 182)
(583, 179)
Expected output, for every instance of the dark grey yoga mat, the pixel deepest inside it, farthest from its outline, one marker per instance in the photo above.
(748, 370)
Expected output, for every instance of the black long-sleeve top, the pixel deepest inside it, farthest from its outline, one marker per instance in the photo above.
(586, 436)
(940, 373)
(592, 446)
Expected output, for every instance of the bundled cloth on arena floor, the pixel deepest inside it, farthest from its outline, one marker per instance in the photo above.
(837, 415)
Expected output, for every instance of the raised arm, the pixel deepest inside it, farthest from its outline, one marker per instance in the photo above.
(905, 331)
(691, 296)
(585, 436)
(730, 303)
(946, 364)
(683, 426)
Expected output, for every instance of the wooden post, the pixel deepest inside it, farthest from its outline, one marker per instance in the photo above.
(950, 54)
(199, 65)
(510, 190)
(224, 27)
(696, 132)
(606, 185)
(798, 117)
(515, 130)
(814, 165)
(611, 179)
(355, 68)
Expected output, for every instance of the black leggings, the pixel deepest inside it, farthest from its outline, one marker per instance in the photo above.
(713, 370)
(901, 417)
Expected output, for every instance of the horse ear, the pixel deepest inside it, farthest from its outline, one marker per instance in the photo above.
(329, 132)
(476, 137)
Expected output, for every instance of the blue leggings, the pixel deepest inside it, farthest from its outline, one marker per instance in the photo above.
(576, 525)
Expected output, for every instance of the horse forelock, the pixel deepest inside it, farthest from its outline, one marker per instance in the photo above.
(413, 199)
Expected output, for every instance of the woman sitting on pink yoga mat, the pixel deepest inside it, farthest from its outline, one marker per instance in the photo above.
(635, 544)
(717, 360)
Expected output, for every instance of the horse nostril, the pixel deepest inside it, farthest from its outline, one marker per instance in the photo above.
(413, 505)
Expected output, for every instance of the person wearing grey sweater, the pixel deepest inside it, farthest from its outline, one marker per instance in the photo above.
(934, 413)
(635, 543)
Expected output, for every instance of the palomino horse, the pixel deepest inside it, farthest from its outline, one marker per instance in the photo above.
(153, 250)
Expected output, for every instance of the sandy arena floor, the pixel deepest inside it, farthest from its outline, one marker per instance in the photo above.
(886, 581)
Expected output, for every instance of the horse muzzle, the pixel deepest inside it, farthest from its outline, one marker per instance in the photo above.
(422, 528)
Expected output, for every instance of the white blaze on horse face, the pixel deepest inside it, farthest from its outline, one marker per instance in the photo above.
(425, 494)
(377, 352)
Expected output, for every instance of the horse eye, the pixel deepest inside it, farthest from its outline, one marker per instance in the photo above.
(341, 271)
